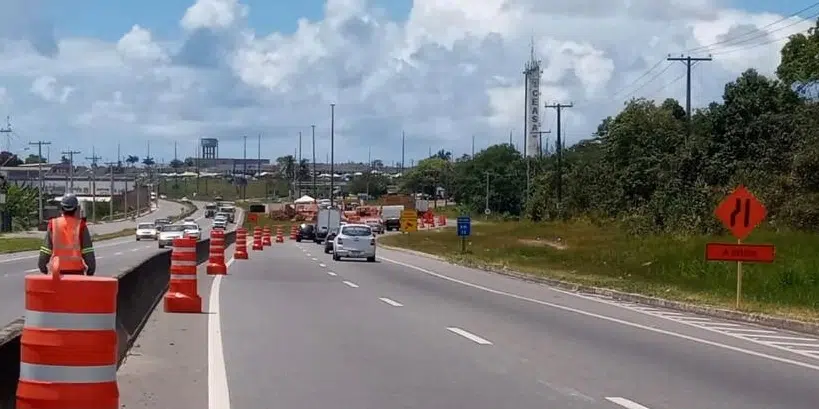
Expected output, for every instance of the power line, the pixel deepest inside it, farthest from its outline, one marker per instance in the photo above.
(639, 78)
(756, 31)
(111, 202)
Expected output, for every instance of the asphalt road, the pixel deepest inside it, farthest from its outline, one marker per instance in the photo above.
(113, 256)
(386, 334)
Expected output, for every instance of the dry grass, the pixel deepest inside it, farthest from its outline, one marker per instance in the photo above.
(670, 267)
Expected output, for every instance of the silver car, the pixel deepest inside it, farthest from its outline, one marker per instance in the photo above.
(169, 233)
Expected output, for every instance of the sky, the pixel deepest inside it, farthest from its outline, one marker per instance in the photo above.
(151, 75)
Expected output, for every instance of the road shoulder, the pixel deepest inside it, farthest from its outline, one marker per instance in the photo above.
(168, 365)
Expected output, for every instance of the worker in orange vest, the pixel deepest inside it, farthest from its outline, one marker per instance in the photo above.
(68, 239)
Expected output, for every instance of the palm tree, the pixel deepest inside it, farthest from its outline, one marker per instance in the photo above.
(287, 166)
(132, 160)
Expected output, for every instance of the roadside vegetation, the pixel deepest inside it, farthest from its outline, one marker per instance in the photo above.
(638, 196)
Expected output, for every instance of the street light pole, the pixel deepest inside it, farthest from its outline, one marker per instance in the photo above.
(332, 152)
(315, 193)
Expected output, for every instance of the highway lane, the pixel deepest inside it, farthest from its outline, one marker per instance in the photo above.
(416, 333)
(113, 256)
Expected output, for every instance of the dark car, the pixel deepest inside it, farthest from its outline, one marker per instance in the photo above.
(391, 223)
(328, 243)
(306, 232)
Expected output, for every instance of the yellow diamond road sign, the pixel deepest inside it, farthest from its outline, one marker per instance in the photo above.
(409, 221)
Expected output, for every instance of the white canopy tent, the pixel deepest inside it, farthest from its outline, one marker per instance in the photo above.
(305, 200)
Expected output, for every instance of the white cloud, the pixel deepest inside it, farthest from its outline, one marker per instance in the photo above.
(451, 70)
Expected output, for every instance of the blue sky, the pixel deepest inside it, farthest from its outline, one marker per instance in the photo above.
(109, 19)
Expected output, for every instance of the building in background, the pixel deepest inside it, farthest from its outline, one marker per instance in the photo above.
(209, 148)
(532, 119)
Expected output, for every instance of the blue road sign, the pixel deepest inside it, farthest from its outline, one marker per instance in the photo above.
(464, 226)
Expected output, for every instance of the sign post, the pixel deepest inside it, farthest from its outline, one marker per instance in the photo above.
(740, 212)
(464, 230)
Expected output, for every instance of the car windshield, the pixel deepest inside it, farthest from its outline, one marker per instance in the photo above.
(356, 231)
(191, 227)
(307, 227)
(174, 228)
(143, 226)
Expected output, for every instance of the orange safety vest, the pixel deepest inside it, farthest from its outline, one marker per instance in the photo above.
(65, 243)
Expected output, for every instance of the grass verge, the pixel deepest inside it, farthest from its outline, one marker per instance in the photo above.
(671, 267)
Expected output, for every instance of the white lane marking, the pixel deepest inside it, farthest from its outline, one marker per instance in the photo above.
(32, 270)
(738, 332)
(309, 255)
(147, 247)
(470, 336)
(616, 320)
(314, 259)
(331, 273)
(626, 403)
(350, 284)
(783, 337)
(391, 302)
(135, 250)
(119, 253)
(794, 344)
(322, 265)
(218, 388)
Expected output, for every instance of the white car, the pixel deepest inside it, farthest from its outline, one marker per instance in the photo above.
(169, 233)
(192, 230)
(376, 225)
(354, 241)
(146, 231)
(220, 222)
(189, 220)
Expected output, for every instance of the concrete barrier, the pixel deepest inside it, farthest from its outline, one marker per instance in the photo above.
(140, 289)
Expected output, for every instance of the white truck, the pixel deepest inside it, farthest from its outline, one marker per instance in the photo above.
(391, 217)
(327, 220)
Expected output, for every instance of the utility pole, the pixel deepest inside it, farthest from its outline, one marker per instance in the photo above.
(298, 168)
(7, 131)
(486, 207)
(559, 107)
(259, 160)
(403, 147)
(111, 202)
(40, 173)
(332, 152)
(93, 158)
(473, 146)
(313, 130)
(369, 169)
(244, 169)
(70, 154)
(540, 143)
(689, 62)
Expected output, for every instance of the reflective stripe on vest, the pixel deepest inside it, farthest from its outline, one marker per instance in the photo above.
(68, 374)
(65, 243)
(66, 321)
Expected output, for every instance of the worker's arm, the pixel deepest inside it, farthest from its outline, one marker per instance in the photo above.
(45, 251)
(87, 246)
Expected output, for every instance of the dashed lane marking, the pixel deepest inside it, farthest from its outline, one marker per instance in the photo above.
(350, 284)
(314, 259)
(391, 302)
(628, 404)
(627, 323)
(322, 265)
(470, 336)
(330, 273)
